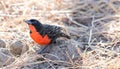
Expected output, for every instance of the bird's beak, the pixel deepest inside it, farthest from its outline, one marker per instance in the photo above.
(28, 21)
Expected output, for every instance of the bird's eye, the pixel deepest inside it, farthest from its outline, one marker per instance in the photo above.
(32, 20)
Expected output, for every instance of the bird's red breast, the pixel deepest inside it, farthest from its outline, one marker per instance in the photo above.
(38, 38)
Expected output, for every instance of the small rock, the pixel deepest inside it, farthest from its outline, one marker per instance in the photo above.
(72, 49)
(5, 51)
(4, 58)
(2, 44)
(68, 48)
(18, 48)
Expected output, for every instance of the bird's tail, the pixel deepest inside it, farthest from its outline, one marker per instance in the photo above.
(65, 35)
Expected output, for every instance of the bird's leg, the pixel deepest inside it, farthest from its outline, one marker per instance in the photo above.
(54, 41)
(45, 49)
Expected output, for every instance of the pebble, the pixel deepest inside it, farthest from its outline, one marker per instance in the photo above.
(17, 48)
(5, 58)
(2, 44)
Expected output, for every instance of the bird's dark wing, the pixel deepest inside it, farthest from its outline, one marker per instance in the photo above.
(53, 32)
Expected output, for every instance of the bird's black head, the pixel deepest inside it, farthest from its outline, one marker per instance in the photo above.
(35, 23)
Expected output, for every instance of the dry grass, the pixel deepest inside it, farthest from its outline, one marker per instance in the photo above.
(96, 24)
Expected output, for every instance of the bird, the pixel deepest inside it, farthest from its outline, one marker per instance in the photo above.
(45, 34)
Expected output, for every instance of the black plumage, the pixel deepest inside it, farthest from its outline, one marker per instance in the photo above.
(52, 31)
